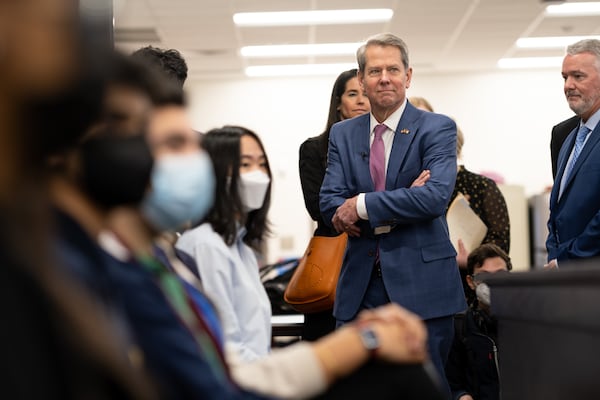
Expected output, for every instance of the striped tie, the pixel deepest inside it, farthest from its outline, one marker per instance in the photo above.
(581, 135)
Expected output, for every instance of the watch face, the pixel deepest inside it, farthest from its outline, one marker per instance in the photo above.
(369, 339)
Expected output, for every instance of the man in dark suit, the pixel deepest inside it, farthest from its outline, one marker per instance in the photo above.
(399, 249)
(560, 132)
(574, 224)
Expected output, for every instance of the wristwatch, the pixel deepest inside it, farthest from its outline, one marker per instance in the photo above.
(369, 339)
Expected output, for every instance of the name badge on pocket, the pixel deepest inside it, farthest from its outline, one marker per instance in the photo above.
(382, 229)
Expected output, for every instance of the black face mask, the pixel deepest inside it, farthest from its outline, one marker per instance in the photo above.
(116, 170)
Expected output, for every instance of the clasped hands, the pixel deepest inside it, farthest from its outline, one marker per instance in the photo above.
(402, 335)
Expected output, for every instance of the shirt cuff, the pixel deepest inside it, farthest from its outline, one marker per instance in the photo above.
(361, 207)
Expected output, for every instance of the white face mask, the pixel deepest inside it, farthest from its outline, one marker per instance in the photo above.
(253, 188)
(483, 294)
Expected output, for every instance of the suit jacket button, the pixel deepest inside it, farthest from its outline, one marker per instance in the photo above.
(371, 253)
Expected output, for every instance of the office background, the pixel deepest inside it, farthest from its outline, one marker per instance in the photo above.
(505, 114)
(506, 118)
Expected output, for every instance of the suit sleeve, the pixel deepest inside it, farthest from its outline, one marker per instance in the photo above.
(583, 246)
(311, 176)
(333, 191)
(437, 153)
(551, 244)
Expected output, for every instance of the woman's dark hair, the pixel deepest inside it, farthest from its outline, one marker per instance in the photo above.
(339, 87)
(223, 146)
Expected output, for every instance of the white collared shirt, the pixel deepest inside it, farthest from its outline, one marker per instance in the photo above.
(388, 140)
(230, 279)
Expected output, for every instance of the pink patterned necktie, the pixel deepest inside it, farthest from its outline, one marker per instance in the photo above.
(377, 159)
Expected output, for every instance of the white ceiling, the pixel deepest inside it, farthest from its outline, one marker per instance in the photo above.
(442, 35)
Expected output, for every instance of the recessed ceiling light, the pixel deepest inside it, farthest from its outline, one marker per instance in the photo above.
(292, 50)
(550, 42)
(573, 9)
(298, 69)
(530, 62)
(318, 17)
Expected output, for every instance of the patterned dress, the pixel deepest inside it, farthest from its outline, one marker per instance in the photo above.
(488, 203)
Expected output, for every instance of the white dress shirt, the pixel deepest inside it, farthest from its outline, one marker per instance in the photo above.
(388, 140)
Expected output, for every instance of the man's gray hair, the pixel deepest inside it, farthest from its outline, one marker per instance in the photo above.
(382, 39)
(586, 46)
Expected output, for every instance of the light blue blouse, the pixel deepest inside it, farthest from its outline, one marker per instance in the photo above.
(230, 278)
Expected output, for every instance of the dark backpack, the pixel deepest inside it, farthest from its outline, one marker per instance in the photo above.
(275, 278)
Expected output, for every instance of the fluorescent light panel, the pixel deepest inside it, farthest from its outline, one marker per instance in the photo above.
(318, 17)
(298, 69)
(550, 42)
(530, 62)
(292, 50)
(573, 9)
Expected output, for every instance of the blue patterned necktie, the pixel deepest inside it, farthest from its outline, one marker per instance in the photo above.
(581, 135)
(579, 141)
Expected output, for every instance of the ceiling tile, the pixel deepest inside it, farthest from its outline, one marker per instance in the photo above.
(442, 35)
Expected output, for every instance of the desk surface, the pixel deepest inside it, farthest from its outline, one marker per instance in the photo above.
(287, 325)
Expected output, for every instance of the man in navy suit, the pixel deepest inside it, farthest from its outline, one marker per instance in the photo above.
(574, 223)
(399, 249)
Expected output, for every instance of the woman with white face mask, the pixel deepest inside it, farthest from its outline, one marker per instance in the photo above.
(223, 245)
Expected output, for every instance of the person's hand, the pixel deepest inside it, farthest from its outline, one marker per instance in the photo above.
(462, 256)
(402, 335)
(465, 397)
(552, 264)
(421, 179)
(345, 217)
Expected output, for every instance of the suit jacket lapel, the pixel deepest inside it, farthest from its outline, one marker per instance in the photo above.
(405, 133)
(360, 149)
(563, 157)
(585, 152)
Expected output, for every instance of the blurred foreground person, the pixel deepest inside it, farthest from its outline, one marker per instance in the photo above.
(54, 343)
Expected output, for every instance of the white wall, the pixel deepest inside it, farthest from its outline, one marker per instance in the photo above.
(506, 118)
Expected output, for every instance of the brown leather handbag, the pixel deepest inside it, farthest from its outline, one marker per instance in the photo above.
(312, 287)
